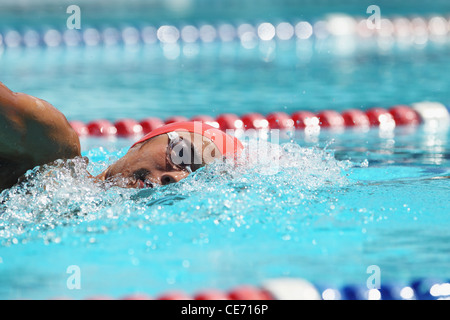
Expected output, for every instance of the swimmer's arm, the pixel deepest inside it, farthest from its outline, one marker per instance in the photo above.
(33, 132)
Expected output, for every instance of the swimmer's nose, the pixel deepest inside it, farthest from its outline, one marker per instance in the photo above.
(162, 178)
(172, 177)
(167, 179)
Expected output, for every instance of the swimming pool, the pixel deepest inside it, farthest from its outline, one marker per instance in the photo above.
(336, 203)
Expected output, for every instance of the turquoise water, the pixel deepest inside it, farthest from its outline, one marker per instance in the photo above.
(47, 13)
(332, 205)
(120, 82)
(329, 209)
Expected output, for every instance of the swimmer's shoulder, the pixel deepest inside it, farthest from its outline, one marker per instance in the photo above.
(32, 132)
(10, 172)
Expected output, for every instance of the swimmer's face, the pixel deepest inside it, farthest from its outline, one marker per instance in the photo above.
(153, 162)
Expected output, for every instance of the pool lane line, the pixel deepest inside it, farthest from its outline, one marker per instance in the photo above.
(415, 30)
(431, 114)
(301, 289)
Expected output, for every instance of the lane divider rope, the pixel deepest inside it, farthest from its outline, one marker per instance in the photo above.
(415, 30)
(300, 289)
(425, 113)
(431, 114)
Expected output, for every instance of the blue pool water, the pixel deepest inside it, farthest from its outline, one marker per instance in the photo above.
(332, 205)
(321, 215)
(214, 78)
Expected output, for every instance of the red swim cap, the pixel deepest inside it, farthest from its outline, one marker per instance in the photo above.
(229, 146)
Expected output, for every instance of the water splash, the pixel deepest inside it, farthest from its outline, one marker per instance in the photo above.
(276, 181)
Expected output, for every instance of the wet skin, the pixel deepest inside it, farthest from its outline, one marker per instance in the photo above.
(148, 163)
(34, 133)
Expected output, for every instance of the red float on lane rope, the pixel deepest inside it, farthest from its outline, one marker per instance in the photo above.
(254, 121)
(128, 127)
(101, 128)
(355, 118)
(303, 119)
(80, 128)
(280, 120)
(150, 124)
(229, 121)
(248, 293)
(330, 119)
(404, 115)
(175, 295)
(211, 295)
(379, 117)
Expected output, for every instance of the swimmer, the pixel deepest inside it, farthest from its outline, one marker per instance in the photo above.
(34, 133)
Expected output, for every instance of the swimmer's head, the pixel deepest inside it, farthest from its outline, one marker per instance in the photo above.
(170, 153)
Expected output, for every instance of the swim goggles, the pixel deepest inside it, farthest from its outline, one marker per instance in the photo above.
(179, 150)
